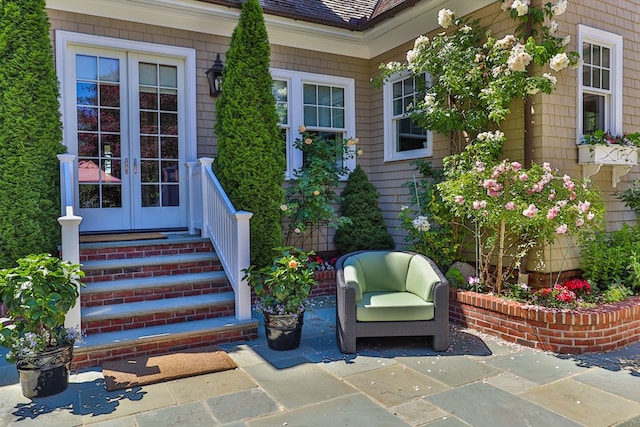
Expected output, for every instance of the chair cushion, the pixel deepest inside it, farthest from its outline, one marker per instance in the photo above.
(421, 278)
(393, 306)
(384, 271)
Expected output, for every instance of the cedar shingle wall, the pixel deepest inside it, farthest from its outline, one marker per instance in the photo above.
(554, 127)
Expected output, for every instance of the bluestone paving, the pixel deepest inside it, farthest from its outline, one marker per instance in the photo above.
(479, 381)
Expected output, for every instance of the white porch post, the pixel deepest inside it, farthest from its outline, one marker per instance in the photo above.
(71, 252)
(243, 291)
(70, 224)
(205, 163)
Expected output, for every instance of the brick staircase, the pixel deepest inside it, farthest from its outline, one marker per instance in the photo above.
(153, 296)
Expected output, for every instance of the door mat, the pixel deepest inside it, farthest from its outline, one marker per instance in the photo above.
(142, 370)
(120, 237)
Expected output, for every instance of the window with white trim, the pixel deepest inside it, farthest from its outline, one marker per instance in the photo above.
(324, 104)
(403, 138)
(600, 81)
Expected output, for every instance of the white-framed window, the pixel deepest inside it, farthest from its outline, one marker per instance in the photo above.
(599, 81)
(403, 138)
(324, 104)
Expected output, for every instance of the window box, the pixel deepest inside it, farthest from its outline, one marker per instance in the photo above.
(621, 158)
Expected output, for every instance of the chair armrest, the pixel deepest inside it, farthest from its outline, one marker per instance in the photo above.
(345, 296)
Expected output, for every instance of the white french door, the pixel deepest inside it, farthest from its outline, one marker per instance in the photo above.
(127, 129)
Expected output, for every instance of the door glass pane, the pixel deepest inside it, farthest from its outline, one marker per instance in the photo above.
(98, 131)
(159, 122)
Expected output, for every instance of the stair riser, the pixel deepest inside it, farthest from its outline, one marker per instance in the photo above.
(84, 359)
(156, 319)
(104, 275)
(134, 251)
(109, 298)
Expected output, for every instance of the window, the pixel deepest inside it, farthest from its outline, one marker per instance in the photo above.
(600, 81)
(403, 138)
(325, 105)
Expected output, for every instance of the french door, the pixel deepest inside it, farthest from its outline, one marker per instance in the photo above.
(129, 138)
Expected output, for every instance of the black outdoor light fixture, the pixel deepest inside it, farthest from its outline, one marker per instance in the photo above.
(214, 75)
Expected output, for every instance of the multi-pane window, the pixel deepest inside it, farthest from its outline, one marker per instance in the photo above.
(596, 83)
(600, 87)
(323, 104)
(404, 139)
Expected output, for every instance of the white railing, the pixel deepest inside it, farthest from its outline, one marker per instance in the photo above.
(70, 224)
(228, 230)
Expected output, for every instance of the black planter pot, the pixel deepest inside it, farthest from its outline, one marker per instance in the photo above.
(283, 330)
(47, 373)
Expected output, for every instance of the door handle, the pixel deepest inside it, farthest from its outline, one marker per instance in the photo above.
(126, 166)
(135, 166)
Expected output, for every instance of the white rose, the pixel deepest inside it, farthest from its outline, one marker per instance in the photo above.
(445, 18)
(421, 41)
(551, 78)
(559, 8)
(521, 6)
(559, 62)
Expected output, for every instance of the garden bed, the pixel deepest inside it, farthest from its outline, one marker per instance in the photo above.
(603, 328)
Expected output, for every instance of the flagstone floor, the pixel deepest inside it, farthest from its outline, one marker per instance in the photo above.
(479, 381)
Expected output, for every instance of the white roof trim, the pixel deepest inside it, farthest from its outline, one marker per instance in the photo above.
(200, 16)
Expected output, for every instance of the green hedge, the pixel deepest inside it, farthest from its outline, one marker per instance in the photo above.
(30, 133)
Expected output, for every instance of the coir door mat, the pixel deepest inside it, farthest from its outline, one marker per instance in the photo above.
(142, 370)
(120, 237)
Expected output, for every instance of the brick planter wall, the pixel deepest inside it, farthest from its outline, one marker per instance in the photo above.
(604, 328)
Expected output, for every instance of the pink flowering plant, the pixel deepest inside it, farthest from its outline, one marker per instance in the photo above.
(511, 209)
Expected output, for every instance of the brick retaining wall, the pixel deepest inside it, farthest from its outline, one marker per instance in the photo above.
(604, 328)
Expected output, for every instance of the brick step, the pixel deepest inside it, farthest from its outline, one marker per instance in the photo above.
(142, 314)
(173, 245)
(95, 349)
(153, 288)
(149, 266)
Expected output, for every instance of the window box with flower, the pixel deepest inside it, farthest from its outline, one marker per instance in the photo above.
(604, 148)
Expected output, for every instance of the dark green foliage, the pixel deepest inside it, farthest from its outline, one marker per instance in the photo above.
(30, 133)
(366, 228)
(607, 257)
(250, 162)
(631, 196)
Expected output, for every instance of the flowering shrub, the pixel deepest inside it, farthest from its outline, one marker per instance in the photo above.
(283, 286)
(475, 75)
(570, 294)
(30, 344)
(428, 222)
(512, 209)
(310, 196)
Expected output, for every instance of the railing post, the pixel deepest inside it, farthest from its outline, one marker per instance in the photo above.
(205, 164)
(191, 167)
(71, 252)
(243, 293)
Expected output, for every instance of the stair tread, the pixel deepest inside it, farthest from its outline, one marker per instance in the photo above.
(142, 308)
(172, 239)
(160, 332)
(152, 282)
(148, 261)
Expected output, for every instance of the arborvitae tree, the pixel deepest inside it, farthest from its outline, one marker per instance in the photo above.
(30, 133)
(250, 162)
(367, 229)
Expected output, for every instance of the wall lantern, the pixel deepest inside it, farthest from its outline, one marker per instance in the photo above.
(214, 75)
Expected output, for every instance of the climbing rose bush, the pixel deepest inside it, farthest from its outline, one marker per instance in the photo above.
(512, 209)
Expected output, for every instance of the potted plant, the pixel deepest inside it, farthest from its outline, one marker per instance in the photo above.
(38, 293)
(281, 290)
